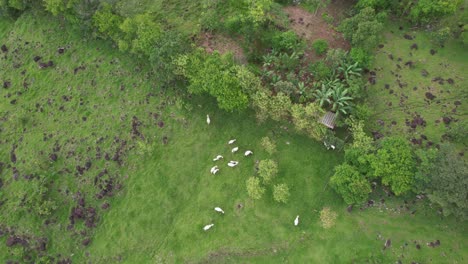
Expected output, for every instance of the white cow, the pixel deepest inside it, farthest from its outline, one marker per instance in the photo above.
(296, 221)
(233, 163)
(208, 227)
(208, 121)
(218, 209)
(218, 158)
(247, 153)
(231, 141)
(213, 169)
(235, 149)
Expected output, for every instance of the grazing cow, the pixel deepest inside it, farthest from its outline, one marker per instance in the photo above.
(247, 153)
(233, 163)
(218, 158)
(208, 121)
(235, 149)
(218, 209)
(296, 221)
(231, 141)
(205, 228)
(213, 169)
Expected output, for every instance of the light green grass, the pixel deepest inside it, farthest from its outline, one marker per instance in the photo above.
(168, 193)
(448, 62)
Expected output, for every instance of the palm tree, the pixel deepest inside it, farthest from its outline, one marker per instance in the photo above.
(323, 95)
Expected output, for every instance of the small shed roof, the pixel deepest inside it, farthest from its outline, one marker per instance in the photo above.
(329, 119)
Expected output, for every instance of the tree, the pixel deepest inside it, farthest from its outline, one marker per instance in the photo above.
(267, 169)
(448, 186)
(353, 187)
(395, 164)
(213, 74)
(254, 189)
(306, 120)
(281, 193)
(107, 22)
(269, 145)
(140, 34)
(363, 29)
(426, 10)
(426, 166)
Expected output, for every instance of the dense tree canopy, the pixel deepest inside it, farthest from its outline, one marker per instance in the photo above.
(395, 164)
(353, 187)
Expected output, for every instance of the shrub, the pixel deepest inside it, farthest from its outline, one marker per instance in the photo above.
(361, 56)
(441, 36)
(353, 187)
(320, 70)
(254, 189)
(336, 57)
(267, 169)
(327, 217)
(286, 41)
(284, 87)
(427, 10)
(320, 46)
(269, 145)
(281, 193)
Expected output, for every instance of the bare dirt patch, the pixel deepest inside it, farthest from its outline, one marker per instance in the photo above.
(311, 27)
(217, 42)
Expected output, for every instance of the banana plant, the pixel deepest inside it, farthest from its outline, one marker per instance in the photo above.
(323, 95)
(349, 71)
(340, 101)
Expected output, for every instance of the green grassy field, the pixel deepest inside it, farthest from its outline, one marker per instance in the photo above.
(82, 108)
(394, 105)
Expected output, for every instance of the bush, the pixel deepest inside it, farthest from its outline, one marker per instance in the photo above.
(441, 36)
(320, 46)
(267, 169)
(426, 10)
(336, 57)
(286, 41)
(353, 187)
(254, 189)
(281, 193)
(327, 217)
(361, 56)
(320, 70)
(269, 145)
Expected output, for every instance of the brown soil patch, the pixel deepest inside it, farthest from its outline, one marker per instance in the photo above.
(216, 42)
(312, 27)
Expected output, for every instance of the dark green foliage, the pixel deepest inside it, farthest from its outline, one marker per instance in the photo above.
(426, 166)
(320, 46)
(320, 70)
(395, 164)
(441, 36)
(427, 10)
(213, 74)
(449, 182)
(361, 56)
(363, 29)
(353, 188)
(286, 41)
